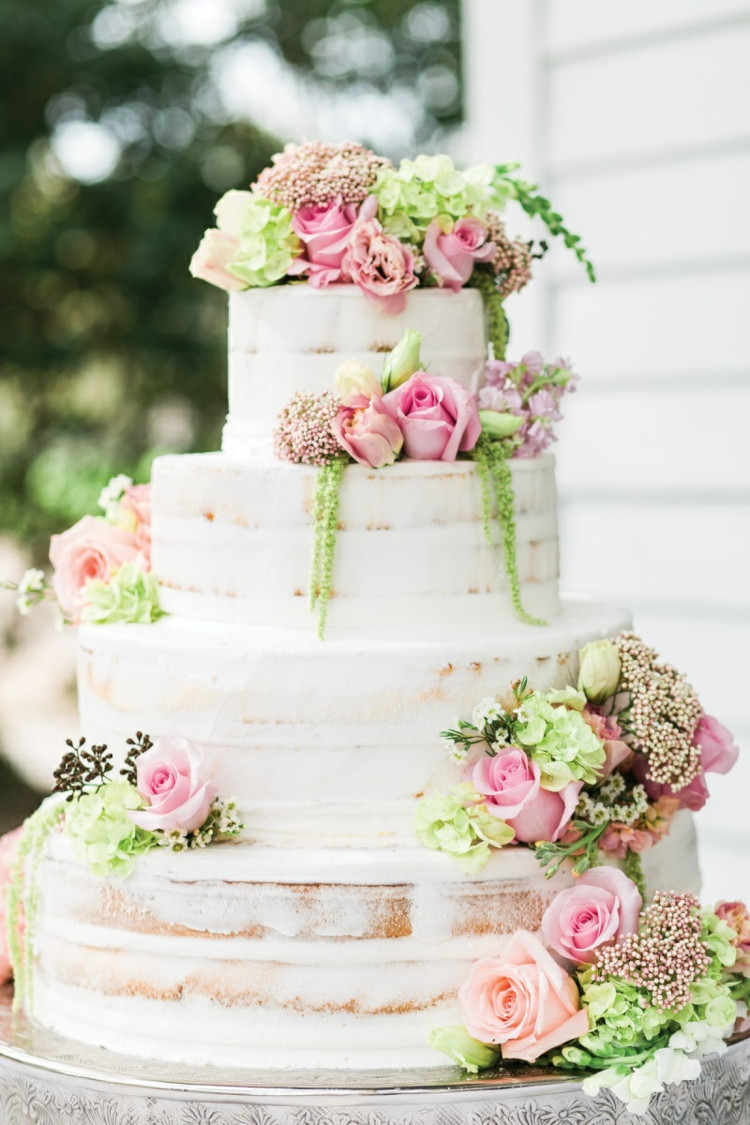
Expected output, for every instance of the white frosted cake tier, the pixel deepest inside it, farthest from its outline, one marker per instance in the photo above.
(247, 956)
(232, 540)
(292, 338)
(320, 742)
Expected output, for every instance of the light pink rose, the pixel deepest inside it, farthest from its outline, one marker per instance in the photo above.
(451, 256)
(718, 755)
(209, 262)
(170, 777)
(617, 752)
(548, 815)
(437, 416)
(325, 230)
(92, 548)
(523, 1000)
(509, 782)
(8, 854)
(137, 501)
(380, 265)
(368, 432)
(602, 906)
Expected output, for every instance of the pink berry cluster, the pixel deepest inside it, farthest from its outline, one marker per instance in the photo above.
(317, 172)
(665, 956)
(662, 714)
(512, 260)
(304, 432)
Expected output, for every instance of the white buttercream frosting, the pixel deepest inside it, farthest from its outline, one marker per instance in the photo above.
(293, 338)
(232, 540)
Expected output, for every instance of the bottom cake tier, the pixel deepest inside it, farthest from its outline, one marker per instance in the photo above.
(249, 956)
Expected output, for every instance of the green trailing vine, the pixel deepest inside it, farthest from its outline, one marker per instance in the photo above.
(497, 321)
(496, 480)
(23, 898)
(325, 525)
(633, 868)
(538, 206)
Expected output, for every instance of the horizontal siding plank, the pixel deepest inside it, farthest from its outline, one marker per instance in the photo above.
(572, 25)
(691, 443)
(669, 324)
(663, 96)
(676, 214)
(674, 554)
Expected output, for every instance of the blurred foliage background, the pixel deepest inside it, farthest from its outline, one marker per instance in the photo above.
(121, 123)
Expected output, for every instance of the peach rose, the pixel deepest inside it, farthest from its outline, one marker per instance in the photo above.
(524, 1001)
(137, 502)
(209, 262)
(91, 548)
(8, 853)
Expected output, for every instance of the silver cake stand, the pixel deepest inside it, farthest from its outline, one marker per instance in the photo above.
(48, 1080)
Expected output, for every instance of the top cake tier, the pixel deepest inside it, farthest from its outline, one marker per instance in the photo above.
(292, 338)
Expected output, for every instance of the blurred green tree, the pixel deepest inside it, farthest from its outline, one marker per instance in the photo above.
(111, 352)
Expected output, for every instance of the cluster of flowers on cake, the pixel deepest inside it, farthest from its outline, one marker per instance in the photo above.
(597, 768)
(638, 994)
(102, 565)
(338, 213)
(163, 797)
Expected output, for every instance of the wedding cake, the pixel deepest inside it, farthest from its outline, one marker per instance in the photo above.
(334, 918)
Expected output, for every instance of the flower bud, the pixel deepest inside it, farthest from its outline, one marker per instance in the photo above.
(599, 670)
(354, 380)
(401, 363)
(497, 425)
(468, 1052)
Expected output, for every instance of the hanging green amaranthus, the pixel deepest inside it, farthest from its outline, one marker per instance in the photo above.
(496, 481)
(325, 525)
(497, 322)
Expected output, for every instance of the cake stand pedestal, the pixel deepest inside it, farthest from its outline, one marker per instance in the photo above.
(47, 1080)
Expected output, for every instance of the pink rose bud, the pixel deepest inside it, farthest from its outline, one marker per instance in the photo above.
(522, 1000)
(170, 777)
(438, 417)
(368, 434)
(8, 854)
(209, 262)
(451, 254)
(92, 548)
(325, 231)
(603, 906)
(380, 265)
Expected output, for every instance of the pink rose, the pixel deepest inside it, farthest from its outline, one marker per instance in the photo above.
(617, 753)
(523, 1001)
(209, 262)
(8, 855)
(137, 502)
(170, 778)
(603, 906)
(509, 782)
(368, 433)
(548, 815)
(718, 755)
(378, 263)
(325, 230)
(451, 255)
(437, 416)
(92, 548)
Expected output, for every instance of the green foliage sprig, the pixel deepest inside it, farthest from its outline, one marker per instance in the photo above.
(584, 850)
(325, 525)
(538, 206)
(81, 769)
(496, 480)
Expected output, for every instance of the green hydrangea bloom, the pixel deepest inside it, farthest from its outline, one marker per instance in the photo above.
(711, 1002)
(268, 245)
(452, 823)
(560, 741)
(625, 1026)
(720, 938)
(418, 191)
(131, 596)
(103, 834)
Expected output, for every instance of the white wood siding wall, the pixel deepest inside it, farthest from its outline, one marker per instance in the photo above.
(635, 118)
